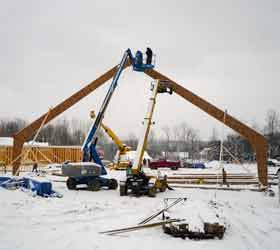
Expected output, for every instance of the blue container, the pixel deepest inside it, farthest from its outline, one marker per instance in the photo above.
(42, 188)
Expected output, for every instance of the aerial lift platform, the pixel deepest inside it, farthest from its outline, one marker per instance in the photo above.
(91, 171)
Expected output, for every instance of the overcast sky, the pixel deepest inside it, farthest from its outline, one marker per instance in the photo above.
(225, 51)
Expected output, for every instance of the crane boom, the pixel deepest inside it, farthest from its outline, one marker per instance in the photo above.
(142, 143)
(137, 182)
(121, 146)
(88, 147)
(145, 131)
(114, 137)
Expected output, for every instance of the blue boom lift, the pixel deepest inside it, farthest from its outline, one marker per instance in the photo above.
(91, 170)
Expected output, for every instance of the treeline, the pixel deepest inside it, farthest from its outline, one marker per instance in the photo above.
(62, 132)
(163, 143)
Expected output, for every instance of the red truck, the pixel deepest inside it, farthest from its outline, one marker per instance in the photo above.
(155, 164)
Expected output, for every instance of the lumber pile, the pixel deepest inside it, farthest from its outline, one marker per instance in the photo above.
(213, 179)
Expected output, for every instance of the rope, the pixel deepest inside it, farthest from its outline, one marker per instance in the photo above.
(33, 140)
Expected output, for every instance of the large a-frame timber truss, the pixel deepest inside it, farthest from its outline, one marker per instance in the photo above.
(257, 140)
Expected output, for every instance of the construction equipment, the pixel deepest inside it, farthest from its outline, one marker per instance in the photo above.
(119, 163)
(86, 172)
(137, 182)
(27, 132)
(258, 141)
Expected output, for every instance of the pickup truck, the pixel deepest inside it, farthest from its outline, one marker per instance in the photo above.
(155, 164)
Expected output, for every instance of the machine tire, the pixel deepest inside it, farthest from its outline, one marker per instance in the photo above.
(71, 183)
(123, 190)
(94, 185)
(113, 184)
(174, 168)
(152, 191)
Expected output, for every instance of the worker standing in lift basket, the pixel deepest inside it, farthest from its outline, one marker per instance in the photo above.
(149, 54)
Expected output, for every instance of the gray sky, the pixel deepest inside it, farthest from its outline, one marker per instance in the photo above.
(225, 51)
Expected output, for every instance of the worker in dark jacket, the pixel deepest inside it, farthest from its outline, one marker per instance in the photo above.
(149, 54)
(35, 167)
(224, 176)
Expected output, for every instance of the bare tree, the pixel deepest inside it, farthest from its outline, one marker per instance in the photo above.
(272, 122)
(153, 146)
(132, 141)
(177, 137)
(185, 136)
(10, 127)
(167, 133)
(214, 136)
(193, 135)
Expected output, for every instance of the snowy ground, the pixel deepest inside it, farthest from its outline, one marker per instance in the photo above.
(73, 222)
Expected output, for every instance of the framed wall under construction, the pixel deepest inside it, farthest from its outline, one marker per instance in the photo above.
(43, 155)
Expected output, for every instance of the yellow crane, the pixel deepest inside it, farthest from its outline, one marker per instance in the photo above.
(121, 162)
(137, 182)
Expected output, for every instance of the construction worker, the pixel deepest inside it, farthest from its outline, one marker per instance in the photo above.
(149, 54)
(129, 169)
(35, 167)
(138, 58)
(144, 162)
(224, 175)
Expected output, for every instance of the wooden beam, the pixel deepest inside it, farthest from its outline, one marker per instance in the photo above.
(258, 141)
(31, 129)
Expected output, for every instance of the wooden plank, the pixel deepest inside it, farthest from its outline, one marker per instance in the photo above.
(218, 188)
(138, 227)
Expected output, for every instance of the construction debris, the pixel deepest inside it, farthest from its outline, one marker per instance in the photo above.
(198, 221)
(138, 227)
(177, 200)
(179, 227)
(182, 230)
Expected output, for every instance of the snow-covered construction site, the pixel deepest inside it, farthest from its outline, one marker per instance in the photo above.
(161, 145)
(251, 219)
(135, 201)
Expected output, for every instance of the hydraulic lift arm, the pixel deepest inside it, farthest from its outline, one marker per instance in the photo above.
(88, 148)
(258, 141)
(158, 87)
(121, 146)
